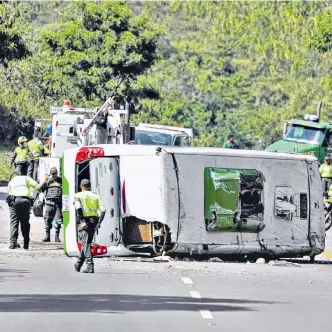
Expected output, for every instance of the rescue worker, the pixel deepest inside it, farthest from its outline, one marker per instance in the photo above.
(87, 205)
(230, 143)
(18, 201)
(53, 204)
(47, 137)
(325, 171)
(35, 151)
(20, 156)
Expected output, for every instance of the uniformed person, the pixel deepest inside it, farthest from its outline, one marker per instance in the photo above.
(87, 205)
(325, 171)
(35, 152)
(53, 204)
(19, 206)
(20, 156)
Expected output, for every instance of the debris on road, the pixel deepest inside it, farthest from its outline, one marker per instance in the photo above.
(284, 264)
(260, 261)
(215, 260)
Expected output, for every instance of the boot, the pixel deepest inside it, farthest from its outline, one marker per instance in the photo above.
(47, 237)
(26, 246)
(89, 270)
(12, 246)
(57, 239)
(17, 245)
(77, 267)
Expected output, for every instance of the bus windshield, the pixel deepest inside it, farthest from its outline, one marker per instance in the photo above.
(304, 134)
(152, 138)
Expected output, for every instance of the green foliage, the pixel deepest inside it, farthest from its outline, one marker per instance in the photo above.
(220, 67)
(97, 49)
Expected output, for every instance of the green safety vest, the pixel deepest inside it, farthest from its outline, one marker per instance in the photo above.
(21, 155)
(325, 171)
(20, 186)
(35, 148)
(89, 202)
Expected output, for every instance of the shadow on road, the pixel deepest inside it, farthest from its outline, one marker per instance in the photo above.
(118, 303)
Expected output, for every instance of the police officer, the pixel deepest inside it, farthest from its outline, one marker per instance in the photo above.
(87, 205)
(35, 152)
(19, 206)
(53, 204)
(325, 171)
(20, 156)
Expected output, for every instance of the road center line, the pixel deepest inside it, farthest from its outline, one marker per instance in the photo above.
(195, 295)
(206, 314)
(187, 280)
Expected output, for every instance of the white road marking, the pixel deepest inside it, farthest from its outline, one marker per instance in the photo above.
(195, 295)
(206, 314)
(187, 280)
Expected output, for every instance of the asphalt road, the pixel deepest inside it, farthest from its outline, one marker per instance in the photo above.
(41, 292)
(47, 295)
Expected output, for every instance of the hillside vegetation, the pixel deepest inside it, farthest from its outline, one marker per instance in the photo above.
(219, 67)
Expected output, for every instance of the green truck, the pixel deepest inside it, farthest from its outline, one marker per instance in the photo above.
(307, 136)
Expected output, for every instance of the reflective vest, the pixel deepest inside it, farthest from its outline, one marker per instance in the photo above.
(35, 148)
(325, 171)
(89, 202)
(20, 186)
(46, 150)
(21, 155)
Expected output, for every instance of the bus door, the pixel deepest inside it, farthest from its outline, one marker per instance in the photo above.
(105, 181)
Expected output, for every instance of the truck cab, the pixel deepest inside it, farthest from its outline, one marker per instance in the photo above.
(307, 136)
(149, 134)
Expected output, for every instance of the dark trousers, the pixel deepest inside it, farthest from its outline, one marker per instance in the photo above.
(86, 237)
(52, 212)
(20, 215)
(21, 169)
(33, 169)
(326, 182)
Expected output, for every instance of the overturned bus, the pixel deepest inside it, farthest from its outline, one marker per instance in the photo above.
(197, 201)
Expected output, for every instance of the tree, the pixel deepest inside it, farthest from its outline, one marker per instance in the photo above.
(12, 46)
(96, 49)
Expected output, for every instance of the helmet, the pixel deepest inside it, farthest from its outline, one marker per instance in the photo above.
(22, 139)
(48, 128)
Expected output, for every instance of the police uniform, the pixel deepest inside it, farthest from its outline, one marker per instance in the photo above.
(20, 157)
(87, 205)
(35, 150)
(53, 205)
(325, 171)
(19, 206)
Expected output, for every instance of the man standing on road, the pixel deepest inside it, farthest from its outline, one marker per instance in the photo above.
(18, 201)
(325, 171)
(53, 204)
(20, 156)
(35, 151)
(87, 205)
(230, 143)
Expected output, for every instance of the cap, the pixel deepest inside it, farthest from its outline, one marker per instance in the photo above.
(53, 170)
(85, 183)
